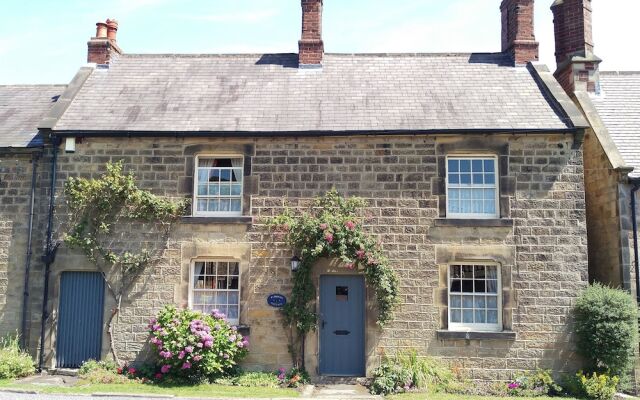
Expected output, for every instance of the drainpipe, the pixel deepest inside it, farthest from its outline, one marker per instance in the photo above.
(634, 220)
(25, 294)
(50, 249)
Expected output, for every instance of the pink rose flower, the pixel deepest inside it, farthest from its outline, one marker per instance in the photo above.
(360, 254)
(350, 225)
(329, 237)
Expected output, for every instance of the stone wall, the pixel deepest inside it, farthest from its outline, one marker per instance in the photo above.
(608, 262)
(15, 189)
(540, 241)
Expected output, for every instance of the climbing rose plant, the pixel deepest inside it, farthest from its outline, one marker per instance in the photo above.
(332, 228)
(191, 345)
(103, 213)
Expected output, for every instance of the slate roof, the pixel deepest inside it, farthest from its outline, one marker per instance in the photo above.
(619, 109)
(269, 93)
(22, 107)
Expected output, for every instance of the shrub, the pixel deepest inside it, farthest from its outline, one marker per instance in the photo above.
(593, 387)
(606, 328)
(93, 365)
(390, 378)
(14, 363)
(192, 346)
(102, 376)
(534, 384)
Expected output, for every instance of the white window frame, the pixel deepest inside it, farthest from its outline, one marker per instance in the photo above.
(194, 206)
(473, 327)
(192, 289)
(495, 186)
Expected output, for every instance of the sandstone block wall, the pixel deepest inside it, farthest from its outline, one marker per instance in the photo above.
(541, 245)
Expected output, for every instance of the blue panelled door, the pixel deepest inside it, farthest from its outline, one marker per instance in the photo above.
(80, 313)
(342, 316)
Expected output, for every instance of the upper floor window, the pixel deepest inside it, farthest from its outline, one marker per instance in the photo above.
(474, 297)
(218, 186)
(472, 190)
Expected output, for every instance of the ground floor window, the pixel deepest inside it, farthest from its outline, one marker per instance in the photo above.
(474, 297)
(216, 286)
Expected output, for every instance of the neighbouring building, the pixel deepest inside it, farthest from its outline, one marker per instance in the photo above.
(611, 103)
(471, 164)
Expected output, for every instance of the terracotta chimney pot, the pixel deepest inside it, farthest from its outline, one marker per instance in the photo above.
(112, 29)
(101, 30)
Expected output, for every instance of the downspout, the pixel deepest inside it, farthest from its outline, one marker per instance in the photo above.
(50, 249)
(25, 294)
(634, 221)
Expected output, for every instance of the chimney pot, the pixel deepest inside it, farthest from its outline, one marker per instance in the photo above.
(112, 29)
(518, 39)
(101, 30)
(311, 46)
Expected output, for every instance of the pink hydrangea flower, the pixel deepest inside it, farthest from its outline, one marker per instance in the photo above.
(186, 365)
(329, 237)
(181, 355)
(165, 369)
(208, 344)
(188, 349)
(323, 227)
(197, 358)
(350, 225)
(158, 376)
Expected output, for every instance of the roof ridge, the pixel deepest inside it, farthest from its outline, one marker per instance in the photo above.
(232, 55)
(620, 73)
(34, 85)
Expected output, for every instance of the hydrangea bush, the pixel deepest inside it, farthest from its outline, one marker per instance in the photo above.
(192, 345)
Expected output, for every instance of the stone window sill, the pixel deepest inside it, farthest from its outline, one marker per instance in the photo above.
(218, 220)
(474, 223)
(455, 335)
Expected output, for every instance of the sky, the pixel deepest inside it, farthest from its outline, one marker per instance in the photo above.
(44, 41)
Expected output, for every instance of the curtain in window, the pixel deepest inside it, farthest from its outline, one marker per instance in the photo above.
(237, 163)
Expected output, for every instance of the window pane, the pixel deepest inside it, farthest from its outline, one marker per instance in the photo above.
(465, 165)
(492, 272)
(202, 205)
(214, 190)
(478, 206)
(456, 271)
(455, 316)
(467, 286)
(467, 271)
(492, 317)
(225, 205)
(479, 286)
(203, 190)
(203, 175)
(222, 268)
(481, 317)
(214, 175)
(454, 194)
(454, 205)
(476, 165)
(237, 175)
(210, 268)
(467, 316)
(453, 166)
(233, 298)
(489, 166)
(236, 205)
(213, 205)
(490, 179)
(490, 207)
(478, 272)
(465, 194)
(209, 283)
(223, 309)
(233, 283)
(236, 190)
(455, 286)
(479, 301)
(492, 286)
(225, 190)
(492, 302)
(232, 312)
(225, 175)
(477, 179)
(454, 179)
(221, 298)
(456, 301)
(465, 179)
(467, 301)
(234, 269)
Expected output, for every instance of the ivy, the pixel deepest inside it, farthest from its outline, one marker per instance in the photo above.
(102, 214)
(332, 228)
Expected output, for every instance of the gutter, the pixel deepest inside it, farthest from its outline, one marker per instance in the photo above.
(634, 220)
(27, 269)
(50, 249)
(311, 133)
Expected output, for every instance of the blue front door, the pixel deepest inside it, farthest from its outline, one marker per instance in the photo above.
(342, 316)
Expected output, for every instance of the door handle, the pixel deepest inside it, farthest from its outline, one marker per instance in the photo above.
(322, 324)
(341, 333)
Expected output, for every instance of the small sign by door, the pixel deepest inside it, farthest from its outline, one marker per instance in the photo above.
(277, 300)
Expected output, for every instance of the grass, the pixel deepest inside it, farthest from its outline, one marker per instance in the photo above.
(441, 396)
(204, 390)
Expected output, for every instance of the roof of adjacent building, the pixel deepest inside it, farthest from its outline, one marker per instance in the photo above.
(619, 107)
(22, 107)
(352, 92)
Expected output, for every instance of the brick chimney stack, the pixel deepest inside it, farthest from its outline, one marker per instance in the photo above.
(103, 46)
(311, 46)
(518, 38)
(577, 65)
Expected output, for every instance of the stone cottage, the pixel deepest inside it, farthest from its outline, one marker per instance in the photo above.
(611, 103)
(471, 165)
